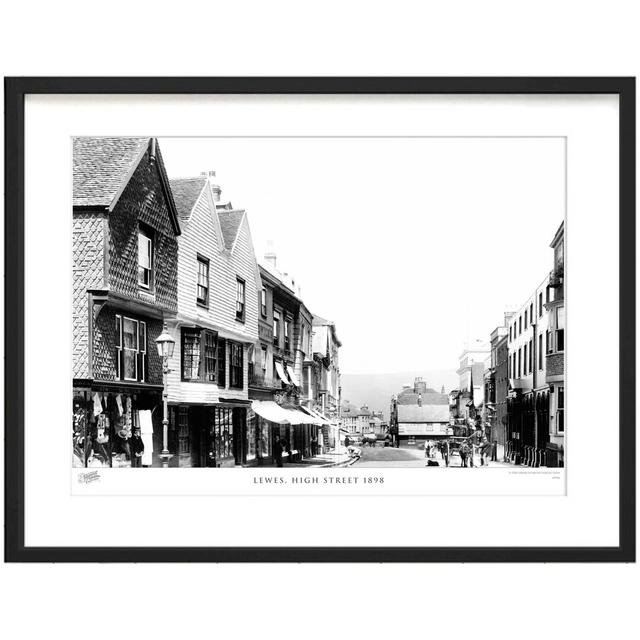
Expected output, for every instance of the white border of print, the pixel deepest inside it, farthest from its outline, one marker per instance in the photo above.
(54, 517)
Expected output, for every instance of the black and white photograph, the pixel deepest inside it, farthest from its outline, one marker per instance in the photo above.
(317, 302)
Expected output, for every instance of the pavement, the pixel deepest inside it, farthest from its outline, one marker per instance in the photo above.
(329, 459)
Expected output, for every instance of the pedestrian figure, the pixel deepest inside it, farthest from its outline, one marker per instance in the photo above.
(444, 450)
(314, 446)
(485, 452)
(137, 449)
(277, 452)
(347, 441)
(464, 453)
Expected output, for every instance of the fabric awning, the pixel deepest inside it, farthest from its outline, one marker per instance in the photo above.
(270, 411)
(281, 373)
(273, 412)
(292, 376)
(317, 415)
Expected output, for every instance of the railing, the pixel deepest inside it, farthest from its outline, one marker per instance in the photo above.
(527, 455)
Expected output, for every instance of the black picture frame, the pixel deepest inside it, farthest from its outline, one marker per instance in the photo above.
(15, 91)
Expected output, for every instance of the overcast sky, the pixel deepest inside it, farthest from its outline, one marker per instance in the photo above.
(410, 245)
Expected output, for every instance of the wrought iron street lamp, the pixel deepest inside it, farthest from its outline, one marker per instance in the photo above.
(165, 344)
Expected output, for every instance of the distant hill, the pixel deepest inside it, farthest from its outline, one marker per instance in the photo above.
(376, 389)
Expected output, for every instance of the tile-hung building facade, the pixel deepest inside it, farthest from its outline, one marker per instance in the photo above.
(125, 230)
(280, 401)
(556, 340)
(215, 330)
(528, 402)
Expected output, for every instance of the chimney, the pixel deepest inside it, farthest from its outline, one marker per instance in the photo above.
(419, 386)
(216, 191)
(270, 259)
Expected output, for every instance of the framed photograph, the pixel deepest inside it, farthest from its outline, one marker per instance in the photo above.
(320, 319)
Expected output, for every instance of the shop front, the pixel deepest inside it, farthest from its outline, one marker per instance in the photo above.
(116, 425)
(269, 423)
(207, 435)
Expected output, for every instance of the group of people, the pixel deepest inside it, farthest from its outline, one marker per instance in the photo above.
(477, 443)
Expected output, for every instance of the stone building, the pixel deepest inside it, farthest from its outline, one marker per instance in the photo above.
(466, 400)
(125, 261)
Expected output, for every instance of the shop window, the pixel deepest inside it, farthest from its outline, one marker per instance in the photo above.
(560, 411)
(236, 365)
(131, 349)
(251, 436)
(240, 299)
(184, 442)
(145, 258)
(221, 428)
(202, 294)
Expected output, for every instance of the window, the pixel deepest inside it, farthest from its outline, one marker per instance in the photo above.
(240, 300)
(222, 362)
(560, 329)
(509, 334)
(520, 325)
(263, 302)
(199, 355)
(276, 327)
(263, 362)
(531, 355)
(525, 361)
(540, 351)
(525, 320)
(560, 340)
(531, 313)
(540, 304)
(287, 335)
(236, 365)
(210, 348)
(549, 341)
(190, 354)
(145, 259)
(202, 295)
(131, 349)
(519, 362)
(560, 411)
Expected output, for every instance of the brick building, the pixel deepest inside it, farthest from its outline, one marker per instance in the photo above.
(556, 340)
(528, 401)
(125, 229)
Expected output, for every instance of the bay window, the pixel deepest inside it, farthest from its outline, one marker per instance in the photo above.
(200, 355)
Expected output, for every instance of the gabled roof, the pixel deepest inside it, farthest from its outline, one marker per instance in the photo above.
(101, 166)
(410, 398)
(186, 192)
(230, 221)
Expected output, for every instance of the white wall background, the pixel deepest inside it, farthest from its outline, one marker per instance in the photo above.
(332, 38)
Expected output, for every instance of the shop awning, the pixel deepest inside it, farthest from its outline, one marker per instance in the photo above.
(281, 373)
(318, 416)
(273, 412)
(270, 411)
(292, 376)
